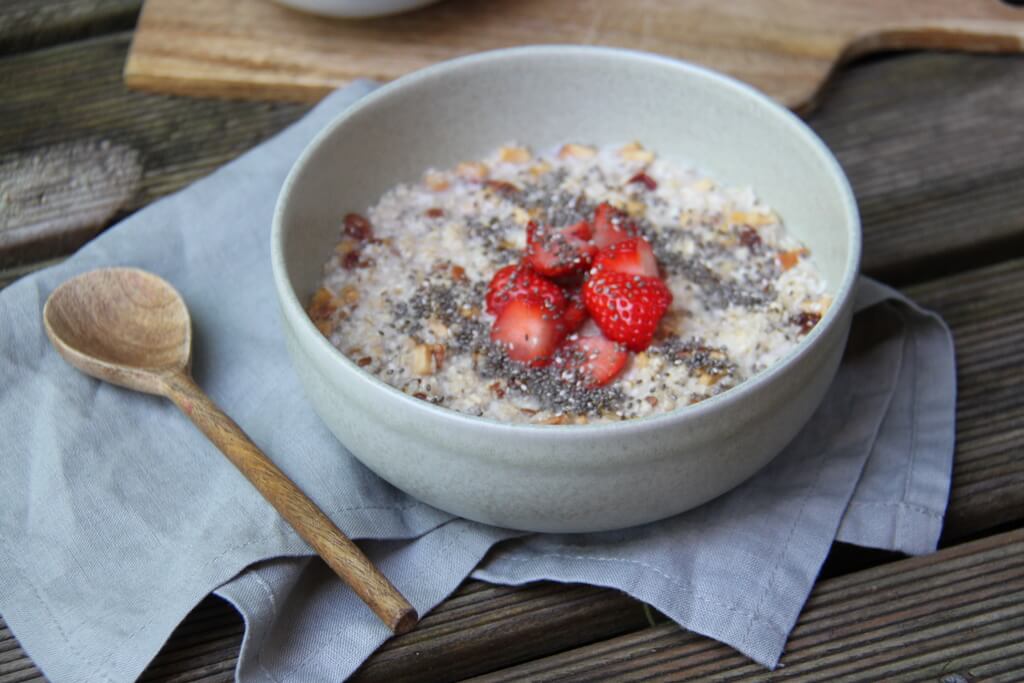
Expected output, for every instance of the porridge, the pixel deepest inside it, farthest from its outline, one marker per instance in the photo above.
(585, 285)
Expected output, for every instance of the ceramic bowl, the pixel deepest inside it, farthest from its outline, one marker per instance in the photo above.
(568, 478)
(355, 9)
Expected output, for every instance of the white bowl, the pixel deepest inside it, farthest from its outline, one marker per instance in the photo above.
(570, 477)
(355, 9)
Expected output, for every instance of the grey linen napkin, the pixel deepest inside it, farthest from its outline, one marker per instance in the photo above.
(117, 516)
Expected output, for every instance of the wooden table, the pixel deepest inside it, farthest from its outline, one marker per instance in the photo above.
(934, 147)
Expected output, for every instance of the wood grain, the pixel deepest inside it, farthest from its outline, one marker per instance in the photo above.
(958, 612)
(32, 24)
(786, 48)
(78, 151)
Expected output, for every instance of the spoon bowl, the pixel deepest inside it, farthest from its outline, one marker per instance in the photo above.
(121, 325)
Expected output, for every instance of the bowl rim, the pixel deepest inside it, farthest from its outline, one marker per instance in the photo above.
(293, 311)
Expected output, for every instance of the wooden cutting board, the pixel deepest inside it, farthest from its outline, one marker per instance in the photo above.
(256, 49)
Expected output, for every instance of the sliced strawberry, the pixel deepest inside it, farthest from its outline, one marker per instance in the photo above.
(612, 225)
(575, 311)
(633, 256)
(520, 281)
(627, 308)
(595, 360)
(528, 332)
(559, 251)
(645, 180)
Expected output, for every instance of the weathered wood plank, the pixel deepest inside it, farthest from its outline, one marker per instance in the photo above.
(32, 24)
(922, 618)
(926, 143)
(923, 138)
(986, 314)
(78, 151)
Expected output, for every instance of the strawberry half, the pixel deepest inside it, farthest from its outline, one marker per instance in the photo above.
(595, 360)
(612, 225)
(575, 311)
(528, 331)
(520, 281)
(627, 308)
(559, 251)
(632, 256)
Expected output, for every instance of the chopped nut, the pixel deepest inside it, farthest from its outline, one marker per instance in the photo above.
(346, 246)
(514, 155)
(557, 420)
(520, 216)
(437, 182)
(326, 327)
(751, 218)
(357, 226)
(576, 151)
(634, 151)
(434, 212)
(502, 187)
(422, 360)
(788, 259)
(497, 390)
(469, 312)
(420, 395)
(582, 420)
(641, 359)
(458, 273)
(806, 321)
(709, 378)
(635, 208)
(437, 351)
(528, 411)
(652, 400)
(350, 295)
(438, 328)
(322, 303)
(540, 169)
(688, 218)
(475, 171)
(364, 361)
(704, 185)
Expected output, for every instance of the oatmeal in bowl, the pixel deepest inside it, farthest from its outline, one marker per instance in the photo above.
(505, 307)
(581, 285)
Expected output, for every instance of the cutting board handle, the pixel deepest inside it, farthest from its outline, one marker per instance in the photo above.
(965, 25)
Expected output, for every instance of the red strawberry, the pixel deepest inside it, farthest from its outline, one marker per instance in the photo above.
(627, 308)
(520, 281)
(645, 180)
(595, 360)
(575, 311)
(633, 257)
(528, 331)
(559, 251)
(612, 225)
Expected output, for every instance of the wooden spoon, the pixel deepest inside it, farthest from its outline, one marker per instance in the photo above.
(131, 328)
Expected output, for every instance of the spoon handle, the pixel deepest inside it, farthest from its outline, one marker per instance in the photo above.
(340, 553)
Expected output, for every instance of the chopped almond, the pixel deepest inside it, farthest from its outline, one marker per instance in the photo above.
(635, 208)
(437, 352)
(634, 151)
(422, 360)
(574, 151)
(788, 259)
(514, 155)
(752, 218)
(458, 273)
(540, 169)
(641, 359)
(704, 185)
(438, 328)
(350, 295)
(475, 171)
(557, 420)
(437, 182)
(520, 216)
